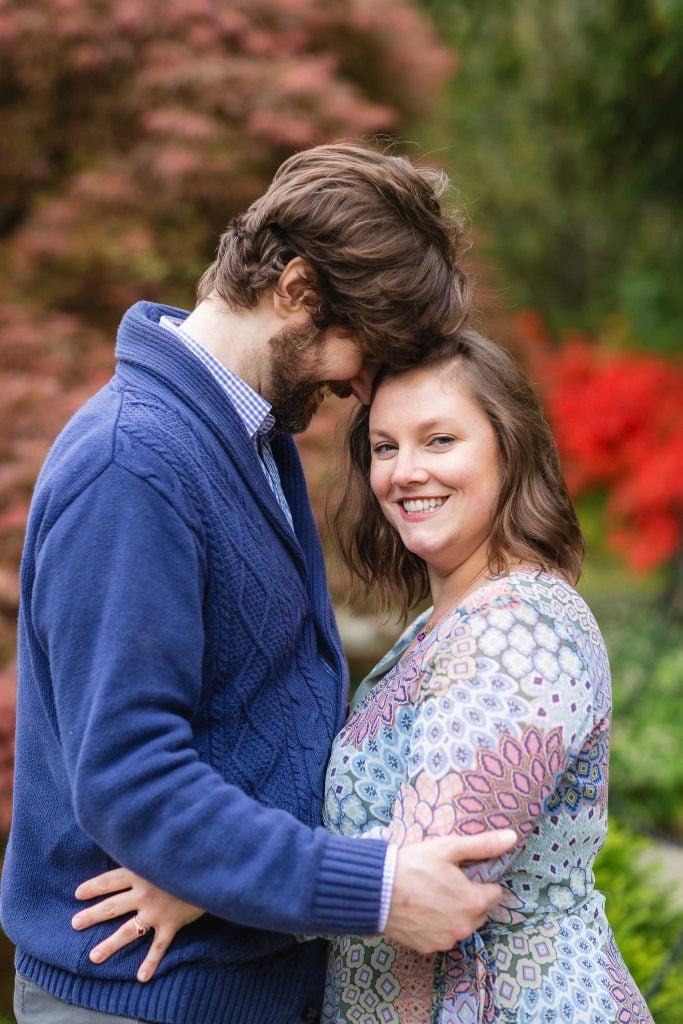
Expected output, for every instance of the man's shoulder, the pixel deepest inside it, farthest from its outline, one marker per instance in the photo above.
(85, 445)
(148, 422)
(118, 427)
(112, 420)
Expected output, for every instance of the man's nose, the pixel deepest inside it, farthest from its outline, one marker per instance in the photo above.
(361, 384)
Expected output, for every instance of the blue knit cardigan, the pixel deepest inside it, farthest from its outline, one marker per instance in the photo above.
(180, 683)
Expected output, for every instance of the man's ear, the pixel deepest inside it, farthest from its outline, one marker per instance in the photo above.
(295, 293)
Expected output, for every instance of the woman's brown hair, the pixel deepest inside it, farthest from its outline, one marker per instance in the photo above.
(384, 252)
(534, 519)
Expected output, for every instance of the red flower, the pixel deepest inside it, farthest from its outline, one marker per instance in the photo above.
(618, 420)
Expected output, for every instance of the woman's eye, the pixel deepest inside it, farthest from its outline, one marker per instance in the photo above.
(383, 449)
(441, 440)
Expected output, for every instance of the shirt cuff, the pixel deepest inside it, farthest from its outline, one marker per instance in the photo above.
(387, 885)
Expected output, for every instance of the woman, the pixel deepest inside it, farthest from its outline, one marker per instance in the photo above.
(491, 711)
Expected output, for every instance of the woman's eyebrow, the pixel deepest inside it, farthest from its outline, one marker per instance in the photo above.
(439, 424)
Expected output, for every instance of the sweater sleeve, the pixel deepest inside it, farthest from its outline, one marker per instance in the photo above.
(118, 609)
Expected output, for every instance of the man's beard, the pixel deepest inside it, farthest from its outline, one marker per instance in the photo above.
(294, 388)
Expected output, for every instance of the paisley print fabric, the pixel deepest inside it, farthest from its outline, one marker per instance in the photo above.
(498, 718)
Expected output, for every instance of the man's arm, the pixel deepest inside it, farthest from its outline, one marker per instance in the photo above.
(118, 608)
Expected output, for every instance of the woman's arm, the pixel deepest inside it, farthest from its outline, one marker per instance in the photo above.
(504, 706)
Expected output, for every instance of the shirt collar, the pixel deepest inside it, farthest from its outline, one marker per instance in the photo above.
(252, 408)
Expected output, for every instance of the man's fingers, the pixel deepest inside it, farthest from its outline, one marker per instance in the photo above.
(162, 941)
(482, 846)
(122, 937)
(101, 885)
(491, 894)
(107, 910)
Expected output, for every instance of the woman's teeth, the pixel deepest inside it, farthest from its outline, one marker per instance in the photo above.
(422, 505)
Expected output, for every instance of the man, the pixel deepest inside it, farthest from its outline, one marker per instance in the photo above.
(181, 677)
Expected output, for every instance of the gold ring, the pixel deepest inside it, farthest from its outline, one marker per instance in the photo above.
(141, 926)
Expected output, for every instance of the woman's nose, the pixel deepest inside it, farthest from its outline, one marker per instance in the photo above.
(407, 469)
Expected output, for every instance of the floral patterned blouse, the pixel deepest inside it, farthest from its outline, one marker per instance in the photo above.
(498, 718)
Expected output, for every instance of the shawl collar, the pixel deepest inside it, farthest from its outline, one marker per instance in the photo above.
(155, 359)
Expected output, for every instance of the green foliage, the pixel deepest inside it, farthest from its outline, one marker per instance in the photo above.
(647, 760)
(646, 927)
(565, 127)
(646, 656)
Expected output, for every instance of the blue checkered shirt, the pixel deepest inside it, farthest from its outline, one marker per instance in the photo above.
(252, 408)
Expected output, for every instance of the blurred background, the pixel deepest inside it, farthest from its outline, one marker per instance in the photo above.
(134, 129)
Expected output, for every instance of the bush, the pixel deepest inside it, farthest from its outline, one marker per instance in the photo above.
(646, 655)
(648, 931)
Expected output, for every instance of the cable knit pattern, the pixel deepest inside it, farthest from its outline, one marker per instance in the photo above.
(175, 712)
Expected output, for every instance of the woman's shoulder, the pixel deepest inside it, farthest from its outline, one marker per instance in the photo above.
(541, 593)
(530, 601)
(518, 630)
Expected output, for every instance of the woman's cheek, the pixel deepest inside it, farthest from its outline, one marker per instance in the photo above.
(376, 482)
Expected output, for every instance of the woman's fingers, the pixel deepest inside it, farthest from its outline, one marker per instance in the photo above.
(157, 909)
(124, 935)
(162, 940)
(111, 881)
(106, 910)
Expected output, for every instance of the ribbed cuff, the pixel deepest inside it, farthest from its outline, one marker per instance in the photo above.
(348, 891)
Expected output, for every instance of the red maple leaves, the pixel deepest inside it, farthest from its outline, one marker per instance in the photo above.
(617, 416)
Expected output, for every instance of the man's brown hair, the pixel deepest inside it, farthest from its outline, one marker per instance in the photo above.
(534, 519)
(384, 252)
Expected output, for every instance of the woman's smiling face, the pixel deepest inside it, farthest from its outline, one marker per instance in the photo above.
(435, 467)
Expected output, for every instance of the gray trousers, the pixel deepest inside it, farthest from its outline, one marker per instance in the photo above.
(33, 1005)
